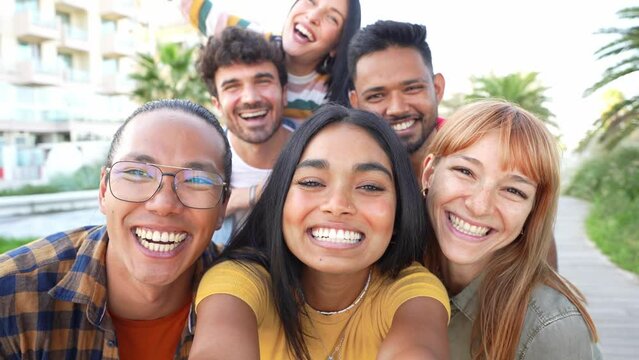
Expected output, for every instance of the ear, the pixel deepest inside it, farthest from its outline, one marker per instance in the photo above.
(216, 103)
(352, 97)
(427, 173)
(102, 191)
(439, 83)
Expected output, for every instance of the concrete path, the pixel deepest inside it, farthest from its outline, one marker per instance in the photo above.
(612, 294)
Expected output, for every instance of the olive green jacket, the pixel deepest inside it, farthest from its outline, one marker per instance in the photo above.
(553, 327)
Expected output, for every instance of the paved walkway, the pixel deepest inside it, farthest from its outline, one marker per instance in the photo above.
(612, 294)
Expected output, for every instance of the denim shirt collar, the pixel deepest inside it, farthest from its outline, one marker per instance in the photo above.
(466, 301)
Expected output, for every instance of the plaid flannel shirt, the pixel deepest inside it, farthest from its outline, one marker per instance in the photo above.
(53, 299)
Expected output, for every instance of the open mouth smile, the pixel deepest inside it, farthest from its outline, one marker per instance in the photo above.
(159, 241)
(465, 228)
(338, 236)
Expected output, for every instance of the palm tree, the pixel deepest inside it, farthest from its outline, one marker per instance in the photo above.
(522, 89)
(169, 73)
(622, 118)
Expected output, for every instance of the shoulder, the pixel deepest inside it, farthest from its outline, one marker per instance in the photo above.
(246, 281)
(554, 326)
(412, 282)
(47, 254)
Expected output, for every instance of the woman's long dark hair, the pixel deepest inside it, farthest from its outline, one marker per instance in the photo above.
(337, 67)
(261, 240)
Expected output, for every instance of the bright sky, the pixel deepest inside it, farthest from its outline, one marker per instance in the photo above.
(552, 37)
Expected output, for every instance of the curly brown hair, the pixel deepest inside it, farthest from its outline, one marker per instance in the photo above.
(238, 46)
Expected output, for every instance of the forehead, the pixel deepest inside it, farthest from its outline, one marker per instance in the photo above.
(346, 143)
(390, 67)
(242, 71)
(339, 5)
(171, 137)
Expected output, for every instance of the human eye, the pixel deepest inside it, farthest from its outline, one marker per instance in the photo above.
(415, 88)
(310, 183)
(463, 170)
(517, 192)
(371, 187)
(198, 179)
(375, 97)
(333, 19)
(135, 173)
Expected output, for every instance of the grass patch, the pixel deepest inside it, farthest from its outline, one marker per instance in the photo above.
(7, 244)
(611, 183)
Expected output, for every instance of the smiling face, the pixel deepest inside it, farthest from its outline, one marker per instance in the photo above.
(475, 205)
(313, 28)
(167, 137)
(396, 84)
(340, 208)
(251, 99)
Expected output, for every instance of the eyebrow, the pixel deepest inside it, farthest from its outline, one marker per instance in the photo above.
(332, 8)
(373, 166)
(361, 167)
(262, 75)
(229, 81)
(515, 177)
(194, 165)
(403, 83)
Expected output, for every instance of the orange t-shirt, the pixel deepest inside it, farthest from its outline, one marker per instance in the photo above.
(150, 339)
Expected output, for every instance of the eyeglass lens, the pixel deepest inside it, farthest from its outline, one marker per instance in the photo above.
(138, 182)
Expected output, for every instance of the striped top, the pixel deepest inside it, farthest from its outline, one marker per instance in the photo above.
(53, 299)
(305, 93)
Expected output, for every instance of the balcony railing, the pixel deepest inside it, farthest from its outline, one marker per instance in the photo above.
(35, 72)
(33, 26)
(73, 39)
(116, 44)
(117, 9)
(115, 84)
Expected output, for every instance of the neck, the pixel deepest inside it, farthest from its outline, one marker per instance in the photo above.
(263, 155)
(298, 67)
(456, 277)
(130, 299)
(330, 292)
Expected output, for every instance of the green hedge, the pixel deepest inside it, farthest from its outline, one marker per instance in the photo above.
(611, 183)
(85, 178)
(7, 244)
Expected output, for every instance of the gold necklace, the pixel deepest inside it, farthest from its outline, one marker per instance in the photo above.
(353, 304)
(340, 339)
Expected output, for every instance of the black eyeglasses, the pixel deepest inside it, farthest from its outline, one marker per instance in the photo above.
(137, 182)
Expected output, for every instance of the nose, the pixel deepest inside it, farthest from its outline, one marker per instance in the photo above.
(165, 200)
(481, 201)
(339, 202)
(249, 95)
(397, 106)
(314, 15)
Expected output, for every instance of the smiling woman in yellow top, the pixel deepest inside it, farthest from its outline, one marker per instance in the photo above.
(325, 266)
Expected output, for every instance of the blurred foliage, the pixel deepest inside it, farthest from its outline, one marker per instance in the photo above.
(611, 182)
(523, 89)
(170, 73)
(85, 178)
(622, 118)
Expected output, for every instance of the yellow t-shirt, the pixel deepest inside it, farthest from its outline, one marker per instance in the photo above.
(365, 327)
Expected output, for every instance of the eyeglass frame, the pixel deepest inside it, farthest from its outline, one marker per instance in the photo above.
(221, 200)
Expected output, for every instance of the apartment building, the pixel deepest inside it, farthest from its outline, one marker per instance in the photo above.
(64, 68)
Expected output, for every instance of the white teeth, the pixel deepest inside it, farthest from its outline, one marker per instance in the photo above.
(305, 32)
(253, 114)
(403, 125)
(159, 241)
(466, 228)
(336, 235)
